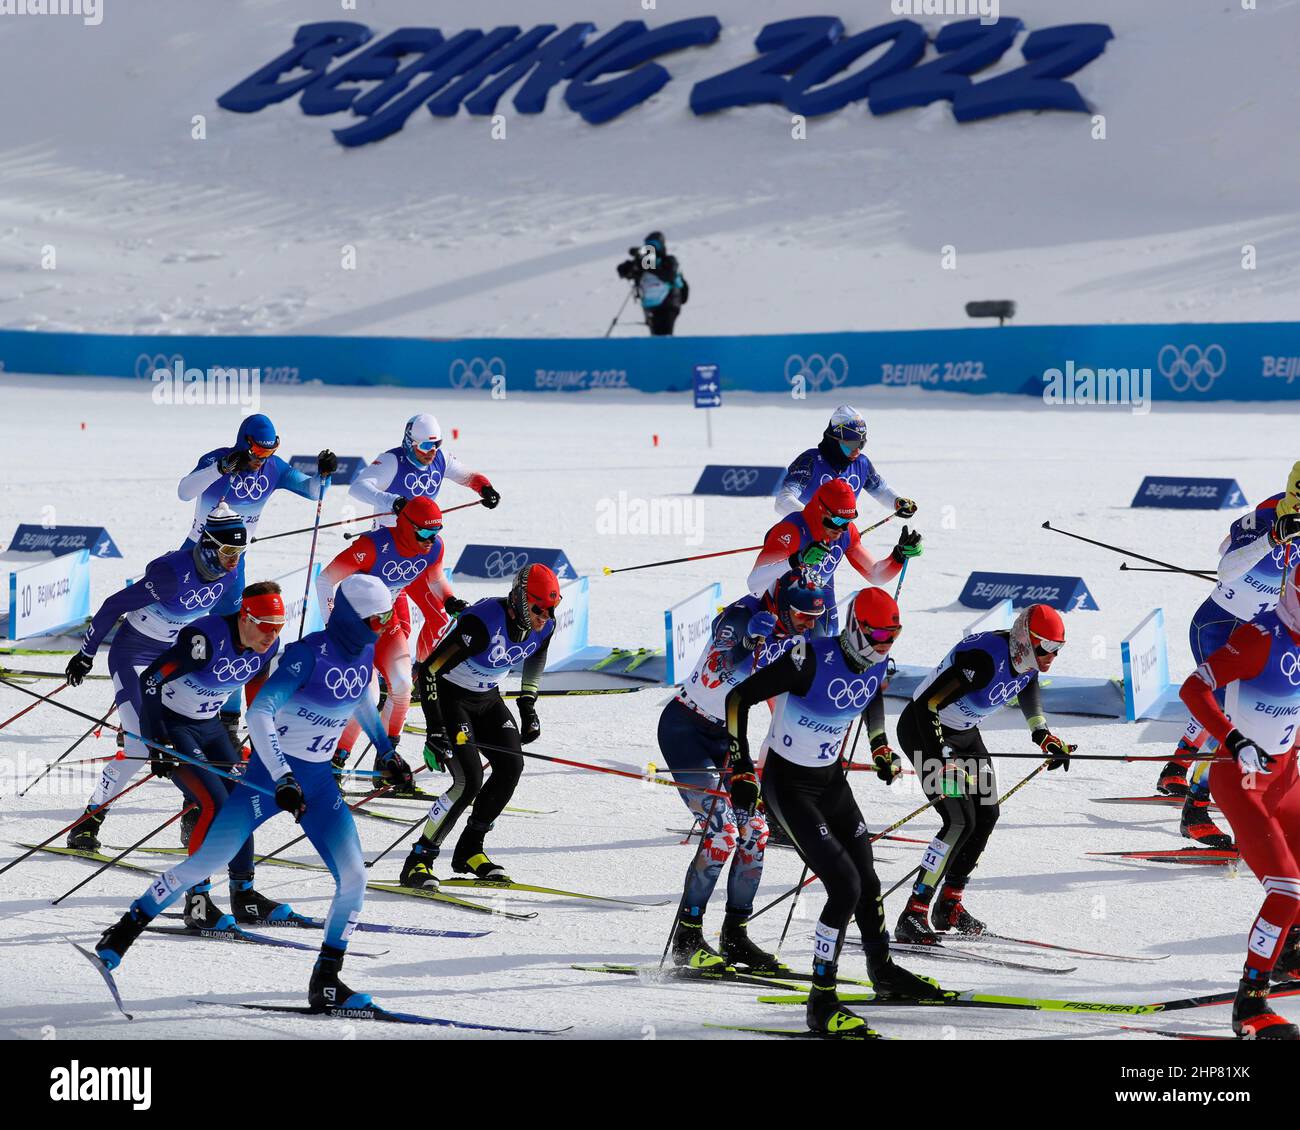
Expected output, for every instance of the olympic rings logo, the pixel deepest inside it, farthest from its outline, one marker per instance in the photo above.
(402, 571)
(817, 370)
(476, 372)
(855, 694)
(201, 598)
(1005, 692)
(239, 670)
(499, 655)
(739, 478)
(347, 682)
(773, 650)
(250, 486)
(855, 481)
(422, 483)
(1192, 367)
(1290, 665)
(148, 364)
(504, 562)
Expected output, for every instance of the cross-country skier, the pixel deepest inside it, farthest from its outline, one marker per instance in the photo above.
(407, 557)
(416, 467)
(939, 729)
(244, 477)
(295, 721)
(816, 539)
(1256, 789)
(1252, 559)
(460, 694)
(181, 694)
(176, 589)
(840, 455)
(746, 635)
(822, 687)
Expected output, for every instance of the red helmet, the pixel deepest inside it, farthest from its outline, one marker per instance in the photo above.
(418, 526)
(535, 588)
(1036, 636)
(831, 509)
(873, 625)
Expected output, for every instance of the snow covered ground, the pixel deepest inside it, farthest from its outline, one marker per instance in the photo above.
(986, 474)
(457, 234)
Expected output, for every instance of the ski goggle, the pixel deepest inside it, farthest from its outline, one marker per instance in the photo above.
(428, 445)
(833, 522)
(546, 613)
(1047, 647)
(382, 617)
(266, 623)
(262, 450)
(228, 555)
(427, 533)
(881, 635)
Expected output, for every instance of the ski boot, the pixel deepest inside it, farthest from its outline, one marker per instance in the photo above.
(201, 913)
(739, 949)
(189, 818)
(890, 981)
(253, 909)
(1288, 961)
(825, 1013)
(116, 940)
(326, 992)
(85, 836)
(691, 951)
(1173, 777)
(1253, 1019)
(913, 925)
(417, 871)
(949, 914)
(469, 856)
(1197, 826)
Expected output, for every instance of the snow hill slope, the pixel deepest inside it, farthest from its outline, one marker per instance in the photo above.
(458, 234)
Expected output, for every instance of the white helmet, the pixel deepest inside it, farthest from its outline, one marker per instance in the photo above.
(366, 595)
(421, 431)
(848, 426)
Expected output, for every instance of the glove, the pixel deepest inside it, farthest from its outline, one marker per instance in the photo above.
(454, 606)
(288, 796)
(489, 496)
(904, 507)
(394, 770)
(743, 785)
(437, 745)
(1250, 758)
(326, 463)
(1056, 749)
(760, 626)
(162, 761)
(77, 669)
(530, 728)
(233, 462)
(909, 545)
(887, 762)
(1285, 528)
(398, 503)
(810, 557)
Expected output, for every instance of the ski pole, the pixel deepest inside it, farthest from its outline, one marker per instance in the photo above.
(720, 553)
(93, 811)
(311, 556)
(124, 852)
(325, 526)
(1121, 549)
(449, 510)
(145, 741)
(1206, 574)
(97, 726)
(40, 698)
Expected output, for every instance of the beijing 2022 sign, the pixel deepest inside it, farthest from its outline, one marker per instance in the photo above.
(803, 64)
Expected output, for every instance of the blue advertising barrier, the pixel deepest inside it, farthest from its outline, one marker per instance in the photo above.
(1068, 594)
(735, 480)
(502, 562)
(58, 540)
(1174, 492)
(349, 467)
(1149, 363)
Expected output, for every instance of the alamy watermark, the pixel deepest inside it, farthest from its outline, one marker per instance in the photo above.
(90, 11)
(986, 10)
(216, 385)
(1073, 385)
(675, 517)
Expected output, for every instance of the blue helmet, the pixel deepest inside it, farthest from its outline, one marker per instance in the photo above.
(257, 430)
(848, 426)
(794, 594)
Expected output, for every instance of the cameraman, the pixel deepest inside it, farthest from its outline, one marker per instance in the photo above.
(659, 283)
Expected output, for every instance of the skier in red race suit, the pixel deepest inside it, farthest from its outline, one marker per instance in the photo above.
(1256, 789)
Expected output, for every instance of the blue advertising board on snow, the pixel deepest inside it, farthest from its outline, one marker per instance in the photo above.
(502, 562)
(1176, 492)
(58, 540)
(737, 480)
(1068, 594)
